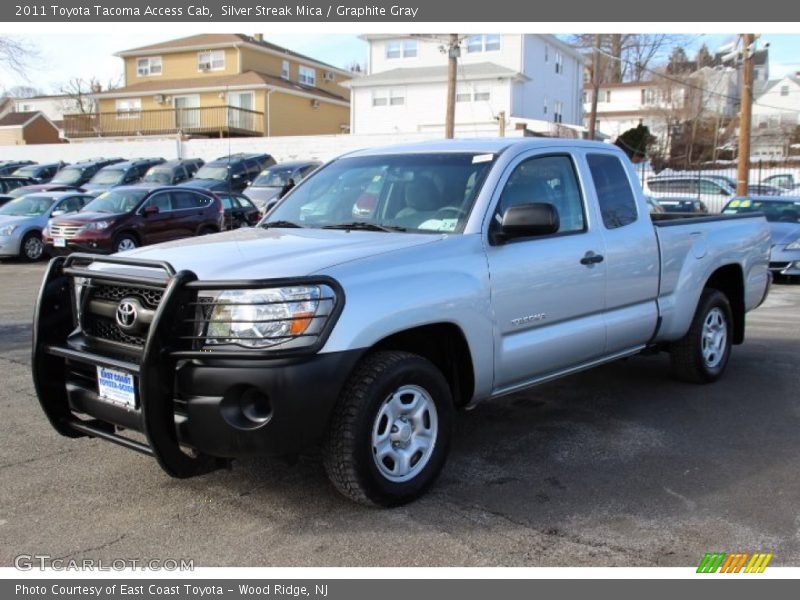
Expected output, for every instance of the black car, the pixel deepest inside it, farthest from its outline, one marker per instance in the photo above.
(681, 204)
(82, 171)
(172, 172)
(230, 173)
(40, 173)
(121, 173)
(239, 210)
(12, 182)
(272, 181)
(7, 167)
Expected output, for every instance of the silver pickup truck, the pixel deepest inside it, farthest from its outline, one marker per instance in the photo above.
(387, 290)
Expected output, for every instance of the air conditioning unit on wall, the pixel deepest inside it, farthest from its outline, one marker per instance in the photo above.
(158, 98)
(328, 76)
(315, 104)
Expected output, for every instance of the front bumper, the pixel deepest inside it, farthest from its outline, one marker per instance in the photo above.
(10, 245)
(784, 262)
(93, 241)
(221, 406)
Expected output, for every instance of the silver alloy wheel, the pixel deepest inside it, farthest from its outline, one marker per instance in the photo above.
(33, 248)
(715, 338)
(126, 244)
(404, 433)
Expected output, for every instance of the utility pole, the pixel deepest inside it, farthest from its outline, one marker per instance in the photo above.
(501, 121)
(453, 52)
(595, 85)
(745, 114)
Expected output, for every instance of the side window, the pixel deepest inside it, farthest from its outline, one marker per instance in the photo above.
(549, 179)
(185, 200)
(70, 205)
(614, 194)
(162, 201)
(244, 202)
(227, 202)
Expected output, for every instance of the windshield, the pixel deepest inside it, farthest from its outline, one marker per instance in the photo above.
(156, 175)
(20, 191)
(68, 176)
(29, 206)
(218, 173)
(414, 192)
(778, 211)
(116, 201)
(108, 177)
(275, 177)
(27, 171)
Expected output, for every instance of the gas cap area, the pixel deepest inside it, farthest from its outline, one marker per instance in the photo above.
(699, 245)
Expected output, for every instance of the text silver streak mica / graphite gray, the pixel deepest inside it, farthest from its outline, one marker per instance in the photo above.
(394, 285)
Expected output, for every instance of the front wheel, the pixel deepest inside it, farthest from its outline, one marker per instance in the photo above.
(390, 433)
(702, 354)
(32, 247)
(125, 242)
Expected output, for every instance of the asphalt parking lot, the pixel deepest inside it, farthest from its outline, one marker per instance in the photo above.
(620, 466)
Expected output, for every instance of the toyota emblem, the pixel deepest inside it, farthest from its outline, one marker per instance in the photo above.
(126, 314)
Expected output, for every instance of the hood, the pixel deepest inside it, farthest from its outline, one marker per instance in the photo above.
(256, 253)
(261, 194)
(85, 217)
(46, 187)
(98, 186)
(205, 184)
(22, 221)
(784, 233)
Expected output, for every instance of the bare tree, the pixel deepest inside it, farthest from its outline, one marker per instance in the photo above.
(80, 92)
(22, 91)
(630, 55)
(16, 54)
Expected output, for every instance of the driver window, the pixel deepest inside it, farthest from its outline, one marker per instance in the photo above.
(548, 179)
(162, 201)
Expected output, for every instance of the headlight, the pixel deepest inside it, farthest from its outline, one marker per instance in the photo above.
(7, 230)
(97, 225)
(290, 316)
(795, 245)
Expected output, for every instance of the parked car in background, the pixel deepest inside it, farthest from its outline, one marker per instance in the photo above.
(783, 180)
(715, 190)
(783, 215)
(40, 173)
(7, 167)
(681, 204)
(653, 206)
(71, 177)
(127, 172)
(792, 191)
(12, 182)
(239, 210)
(764, 189)
(22, 221)
(229, 173)
(172, 172)
(128, 216)
(268, 185)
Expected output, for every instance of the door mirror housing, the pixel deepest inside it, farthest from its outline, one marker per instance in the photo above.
(150, 210)
(58, 213)
(527, 220)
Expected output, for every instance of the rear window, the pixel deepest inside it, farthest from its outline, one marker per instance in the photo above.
(614, 194)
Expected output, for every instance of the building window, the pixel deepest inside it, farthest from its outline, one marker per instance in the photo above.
(211, 60)
(784, 90)
(150, 65)
(463, 94)
(401, 49)
(488, 42)
(129, 108)
(482, 94)
(558, 111)
(388, 97)
(559, 62)
(544, 106)
(285, 69)
(546, 53)
(307, 75)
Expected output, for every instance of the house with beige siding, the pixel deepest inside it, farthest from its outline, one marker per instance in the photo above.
(219, 85)
(22, 128)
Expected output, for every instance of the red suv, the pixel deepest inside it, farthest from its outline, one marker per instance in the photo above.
(127, 217)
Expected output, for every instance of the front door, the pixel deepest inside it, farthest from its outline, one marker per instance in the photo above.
(187, 112)
(548, 292)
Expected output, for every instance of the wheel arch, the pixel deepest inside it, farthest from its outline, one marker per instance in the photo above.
(729, 279)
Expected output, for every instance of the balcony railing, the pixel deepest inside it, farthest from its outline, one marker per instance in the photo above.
(213, 121)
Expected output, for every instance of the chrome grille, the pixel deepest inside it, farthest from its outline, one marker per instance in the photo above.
(149, 297)
(64, 231)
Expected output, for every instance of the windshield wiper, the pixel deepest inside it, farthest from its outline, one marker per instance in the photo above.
(285, 224)
(362, 226)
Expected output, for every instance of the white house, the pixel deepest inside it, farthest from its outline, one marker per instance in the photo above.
(53, 107)
(534, 80)
(776, 114)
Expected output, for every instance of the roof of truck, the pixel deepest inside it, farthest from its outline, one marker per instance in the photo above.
(481, 145)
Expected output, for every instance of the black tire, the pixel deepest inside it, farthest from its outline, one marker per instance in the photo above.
(127, 241)
(348, 453)
(32, 247)
(689, 360)
(206, 230)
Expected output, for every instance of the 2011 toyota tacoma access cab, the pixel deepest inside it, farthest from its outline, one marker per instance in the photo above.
(385, 291)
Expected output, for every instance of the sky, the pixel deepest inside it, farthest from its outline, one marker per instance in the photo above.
(86, 55)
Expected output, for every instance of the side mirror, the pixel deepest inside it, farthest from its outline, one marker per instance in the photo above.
(527, 220)
(58, 213)
(150, 210)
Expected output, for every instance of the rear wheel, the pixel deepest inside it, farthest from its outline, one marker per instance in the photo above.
(390, 433)
(125, 242)
(32, 247)
(206, 230)
(702, 354)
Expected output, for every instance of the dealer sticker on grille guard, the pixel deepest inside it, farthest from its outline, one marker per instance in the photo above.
(116, 386)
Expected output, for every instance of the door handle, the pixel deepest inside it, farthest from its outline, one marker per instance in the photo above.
(591, 258)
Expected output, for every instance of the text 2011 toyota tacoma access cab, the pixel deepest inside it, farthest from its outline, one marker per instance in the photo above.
(388, 289)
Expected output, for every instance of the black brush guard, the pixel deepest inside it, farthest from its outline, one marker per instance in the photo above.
(153, 367)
